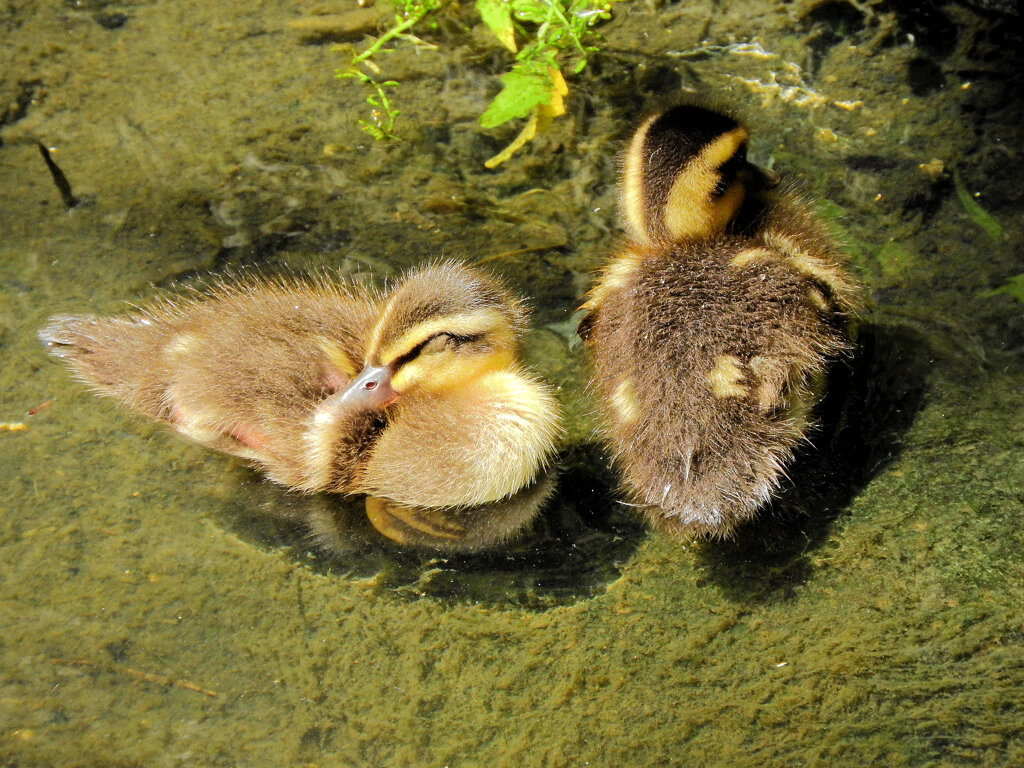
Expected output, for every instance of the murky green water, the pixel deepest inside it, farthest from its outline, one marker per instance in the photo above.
(161, 605)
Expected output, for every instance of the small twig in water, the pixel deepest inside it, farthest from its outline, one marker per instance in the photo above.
(63, 185)
(147, 677)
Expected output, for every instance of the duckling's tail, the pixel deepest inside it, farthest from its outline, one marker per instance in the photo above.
(110, 355)
(715, 494)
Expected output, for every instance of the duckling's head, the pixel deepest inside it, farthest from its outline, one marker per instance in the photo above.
(685, 176)
(443, 326)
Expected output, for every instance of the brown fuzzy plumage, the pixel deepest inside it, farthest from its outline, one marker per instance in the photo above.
(270, 371)
(710, 350)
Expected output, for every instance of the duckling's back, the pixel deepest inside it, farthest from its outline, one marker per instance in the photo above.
(710, 347)
(238, 369)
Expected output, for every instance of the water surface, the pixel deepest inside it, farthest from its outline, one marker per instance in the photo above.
(161, 606)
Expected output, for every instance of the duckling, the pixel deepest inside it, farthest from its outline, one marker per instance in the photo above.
(711, 328)
(415, 395)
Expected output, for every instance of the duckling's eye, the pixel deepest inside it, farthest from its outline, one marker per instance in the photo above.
(434, 344)
(445, 340)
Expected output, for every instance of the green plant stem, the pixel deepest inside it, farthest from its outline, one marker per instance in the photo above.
(392, 33)
(556, 10)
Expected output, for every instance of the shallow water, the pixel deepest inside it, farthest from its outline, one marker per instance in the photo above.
(161, 606)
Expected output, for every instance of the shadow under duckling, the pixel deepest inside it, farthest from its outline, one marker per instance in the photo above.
(414, 395)
(711, 329)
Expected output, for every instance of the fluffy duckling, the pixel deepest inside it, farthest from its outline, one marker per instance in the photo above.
(711, 328)
(415, 395)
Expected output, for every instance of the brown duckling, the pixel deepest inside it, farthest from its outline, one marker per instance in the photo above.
(712, 327)
(415, 395)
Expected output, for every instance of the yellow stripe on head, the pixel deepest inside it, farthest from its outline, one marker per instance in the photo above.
(481, 322)
(691, 210)
(378, 328)
(681, 175)
(633, 187)
(445, 371)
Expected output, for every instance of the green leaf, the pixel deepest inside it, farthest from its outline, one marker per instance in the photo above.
(530, 10)
(526, 86)
(497, 15)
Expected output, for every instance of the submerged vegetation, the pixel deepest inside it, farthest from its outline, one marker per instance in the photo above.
(978, 215)
(1014, 286)
(363, 67)
(548, 37)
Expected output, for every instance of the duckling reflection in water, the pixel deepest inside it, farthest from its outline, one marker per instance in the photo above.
(712, 327)
(449, 530)
(415, 396)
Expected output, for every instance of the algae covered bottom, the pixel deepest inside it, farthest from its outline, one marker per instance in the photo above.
(162, 606)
